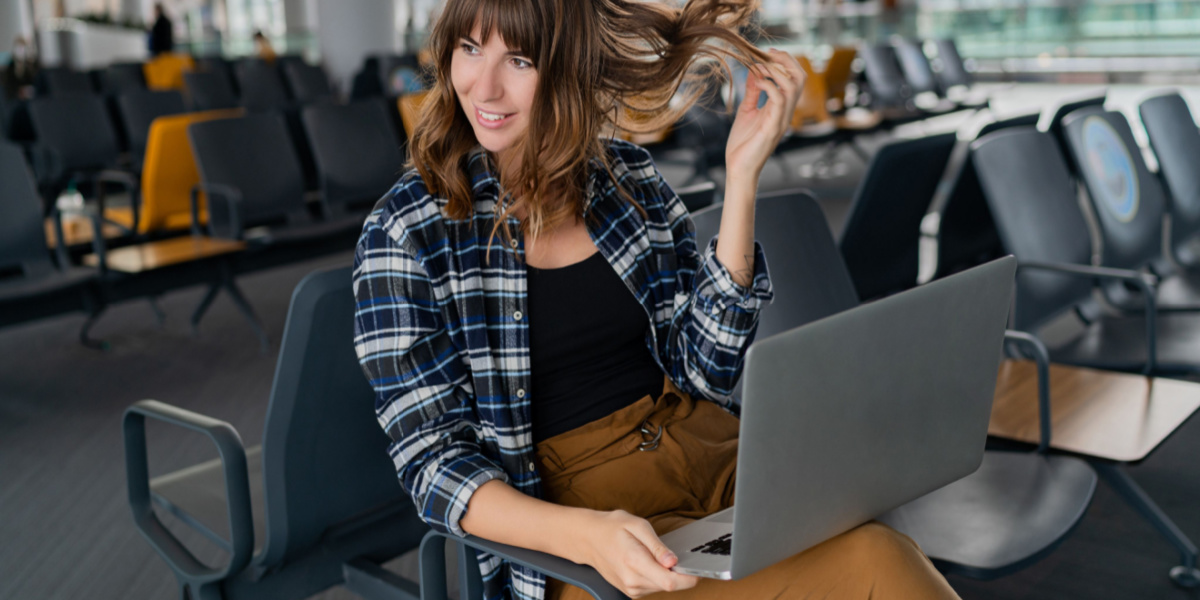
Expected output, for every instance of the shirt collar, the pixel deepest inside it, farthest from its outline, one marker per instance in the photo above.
(486, 184)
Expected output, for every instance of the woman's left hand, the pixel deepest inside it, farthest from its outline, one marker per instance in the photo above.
(756, 131)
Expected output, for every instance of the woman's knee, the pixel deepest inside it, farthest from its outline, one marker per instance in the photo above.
(877, 544)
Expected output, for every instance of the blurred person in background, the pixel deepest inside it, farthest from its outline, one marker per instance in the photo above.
(263, 48)
(21, 70)
(162, 33)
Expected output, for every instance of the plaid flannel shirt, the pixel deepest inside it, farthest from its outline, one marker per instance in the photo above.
(441, 334)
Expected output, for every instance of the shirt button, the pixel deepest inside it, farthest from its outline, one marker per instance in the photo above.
(517, 315)
(514, 243)
(521, 393)
(532, 467)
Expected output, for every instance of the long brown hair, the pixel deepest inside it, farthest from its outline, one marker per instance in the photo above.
(603, 65)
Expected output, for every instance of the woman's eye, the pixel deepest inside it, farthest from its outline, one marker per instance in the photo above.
(521, 63)
(467, 48)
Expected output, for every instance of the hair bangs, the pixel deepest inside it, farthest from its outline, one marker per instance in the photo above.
(516, 21)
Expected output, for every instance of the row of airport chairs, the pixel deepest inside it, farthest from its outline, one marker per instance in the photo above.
(222, 192)
(1012, 186)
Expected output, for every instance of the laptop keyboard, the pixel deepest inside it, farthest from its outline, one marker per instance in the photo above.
(720, 546)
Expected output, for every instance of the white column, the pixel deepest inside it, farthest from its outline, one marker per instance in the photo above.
(14, 20)
(300, 15)
(350, 30)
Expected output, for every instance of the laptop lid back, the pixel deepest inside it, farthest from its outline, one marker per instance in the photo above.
(858, 413)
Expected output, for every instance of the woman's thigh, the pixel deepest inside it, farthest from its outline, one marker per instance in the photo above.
(870, 561)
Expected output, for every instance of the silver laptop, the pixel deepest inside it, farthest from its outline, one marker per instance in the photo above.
(851, 416)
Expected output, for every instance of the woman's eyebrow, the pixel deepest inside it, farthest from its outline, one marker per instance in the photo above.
(474, 42)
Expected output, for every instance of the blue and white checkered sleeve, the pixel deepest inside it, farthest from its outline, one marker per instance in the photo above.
(714, 324)
(422, 390)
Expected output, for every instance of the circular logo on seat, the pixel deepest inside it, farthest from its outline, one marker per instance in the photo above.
(1112, 167)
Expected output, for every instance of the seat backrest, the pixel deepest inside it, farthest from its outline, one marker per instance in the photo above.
(262, 86)
(209, 90)
(698, 196)
(410, 110)
(140, 108)
(1032, 198)
(1126, 200)
(77, 127)
(169, 172)
(121, 78)
(1176, 143)
(165, 71)
(966, 234)
(881, 236)
(954, 71)
(221, 66)
(308, 83)
(838, 71)
(809, 278)
(400, 74)
(884, 78)
(254, 155)
(63, 80)
(915, 66)
(325, 458)
(357, 155)
(22, 237)
(1053, 115)
(811, 107)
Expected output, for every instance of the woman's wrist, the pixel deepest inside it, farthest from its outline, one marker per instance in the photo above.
(580, 525)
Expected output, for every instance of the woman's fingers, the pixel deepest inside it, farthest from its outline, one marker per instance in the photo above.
(657, 569)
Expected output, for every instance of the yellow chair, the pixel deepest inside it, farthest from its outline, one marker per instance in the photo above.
(165, 71)
(168, 176)
(811, 115)
(837, 74)
(410, 110)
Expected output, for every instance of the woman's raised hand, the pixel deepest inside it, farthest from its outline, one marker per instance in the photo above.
(756, 131)
(629, 555)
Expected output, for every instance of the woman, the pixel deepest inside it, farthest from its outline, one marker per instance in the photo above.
(531, 282)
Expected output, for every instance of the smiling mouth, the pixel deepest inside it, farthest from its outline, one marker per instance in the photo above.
(490, 119)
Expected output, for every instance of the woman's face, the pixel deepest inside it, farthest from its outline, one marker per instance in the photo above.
(495, 87)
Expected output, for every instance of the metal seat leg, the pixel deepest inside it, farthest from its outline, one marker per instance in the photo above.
(1186, 574)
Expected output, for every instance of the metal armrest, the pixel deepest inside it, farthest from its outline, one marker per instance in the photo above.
(433, 567)
(218, 195)
(1134, 277)
(1041, 357)
(237, 489)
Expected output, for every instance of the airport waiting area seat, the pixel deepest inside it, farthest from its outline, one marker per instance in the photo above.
(409, 106)
(957, 231)
(1008, 514)
(880, 238)
(209, 90)
(255, 187)
(1128, 204)
(316, 505)
(358, 157)
(698, 195)
(166, 71)
(307, 83)
(138, 109)
(31, 285)
(261, 86)
(77, 144)
(1032, 198)
(927, 91)
(1175, 140)
(63, 80)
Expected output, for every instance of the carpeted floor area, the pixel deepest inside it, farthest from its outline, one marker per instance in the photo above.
(66, 531)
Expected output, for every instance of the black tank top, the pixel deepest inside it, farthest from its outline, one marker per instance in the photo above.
(587, 342)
